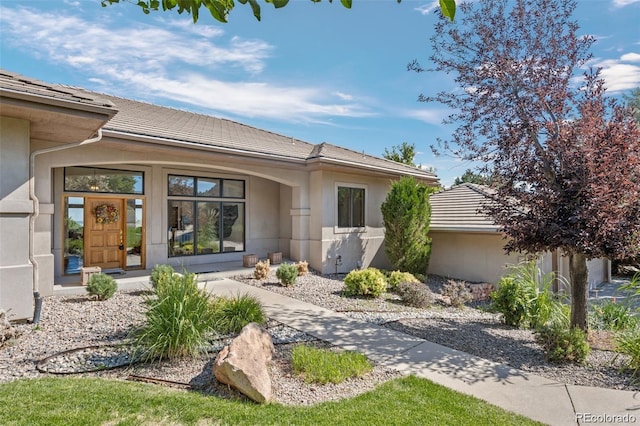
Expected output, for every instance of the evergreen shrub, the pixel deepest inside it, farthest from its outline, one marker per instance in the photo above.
(368, 282)
(101, 286)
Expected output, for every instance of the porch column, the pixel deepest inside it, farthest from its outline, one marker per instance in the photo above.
(300, 219)
(16, 271)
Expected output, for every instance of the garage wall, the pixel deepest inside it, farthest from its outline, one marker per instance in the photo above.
(475, 257)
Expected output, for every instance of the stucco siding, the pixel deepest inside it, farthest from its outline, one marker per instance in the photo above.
(342, 250)
(475, 257)
(262, 216)
(16, 270)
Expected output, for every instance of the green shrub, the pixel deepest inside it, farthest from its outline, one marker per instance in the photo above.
(415, 294)
(397, 277)
(457, 292)
(178, 321)
(287, 273)
(610, 315)
(368, 282)
(510, 299)
(524, 297)
(629, 344)
(325, 366)
(563, 344)
(101, 286)
(262, 270)
(230, 315)
(406, 214)
(161, 274)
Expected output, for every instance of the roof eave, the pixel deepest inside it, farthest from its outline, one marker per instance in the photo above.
(352, 164)
(19, 98)
(115, 134)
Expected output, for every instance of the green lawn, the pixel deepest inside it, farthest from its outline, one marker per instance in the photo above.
(84, 401)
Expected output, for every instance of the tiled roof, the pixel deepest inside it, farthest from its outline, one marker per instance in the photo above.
(459, 209)
(145, 120)
(18, 84)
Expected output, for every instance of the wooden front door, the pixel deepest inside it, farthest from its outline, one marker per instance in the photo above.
(105, 233)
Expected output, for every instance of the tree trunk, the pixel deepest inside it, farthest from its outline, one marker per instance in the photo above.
(579, 290)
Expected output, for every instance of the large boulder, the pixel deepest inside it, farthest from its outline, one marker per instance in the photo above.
(244, 364)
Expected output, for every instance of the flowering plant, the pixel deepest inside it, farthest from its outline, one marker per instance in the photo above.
(107, 213)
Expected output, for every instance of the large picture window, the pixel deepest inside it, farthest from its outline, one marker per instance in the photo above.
(201, 220)
(351, 207)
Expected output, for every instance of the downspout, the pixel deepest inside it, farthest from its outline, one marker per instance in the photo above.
(36, 212)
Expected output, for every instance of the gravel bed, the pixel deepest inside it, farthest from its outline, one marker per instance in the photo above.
(85, 337)
(470, 330)
(75, 322)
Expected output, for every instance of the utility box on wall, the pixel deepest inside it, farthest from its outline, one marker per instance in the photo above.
(87, 272)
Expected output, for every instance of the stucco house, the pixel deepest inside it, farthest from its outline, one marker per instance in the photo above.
(467, 245)
(89, 179)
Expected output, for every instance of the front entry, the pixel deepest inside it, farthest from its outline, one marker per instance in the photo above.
(105, 233)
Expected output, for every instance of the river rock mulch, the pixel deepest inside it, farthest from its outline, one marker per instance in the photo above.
(84, 337)
(471, 329)
(76, 322)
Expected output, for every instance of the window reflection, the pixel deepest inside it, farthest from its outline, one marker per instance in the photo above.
(92, 179)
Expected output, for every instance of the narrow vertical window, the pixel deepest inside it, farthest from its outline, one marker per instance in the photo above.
(351, 207)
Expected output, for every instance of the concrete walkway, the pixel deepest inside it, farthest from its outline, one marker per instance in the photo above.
(514, 390)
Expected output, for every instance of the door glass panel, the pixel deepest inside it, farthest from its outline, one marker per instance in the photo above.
(134, 233)
(233, 226)
(73, 234)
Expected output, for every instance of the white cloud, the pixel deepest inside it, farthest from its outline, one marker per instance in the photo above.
(191, 64)
(620, 76)
(431, 116)
(344, 96)
(630, 57)
(426, 9)
(622, 3)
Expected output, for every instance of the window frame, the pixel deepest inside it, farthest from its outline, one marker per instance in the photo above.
(196, 199)
(350, 229)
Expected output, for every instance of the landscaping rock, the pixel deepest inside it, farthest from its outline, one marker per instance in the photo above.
(243, 364)
(7, 332)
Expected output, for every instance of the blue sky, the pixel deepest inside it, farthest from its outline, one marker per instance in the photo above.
(317, 72)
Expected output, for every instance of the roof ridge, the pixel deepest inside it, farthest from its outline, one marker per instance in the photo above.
(316, 151)
(480, 189)
(364, 154)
